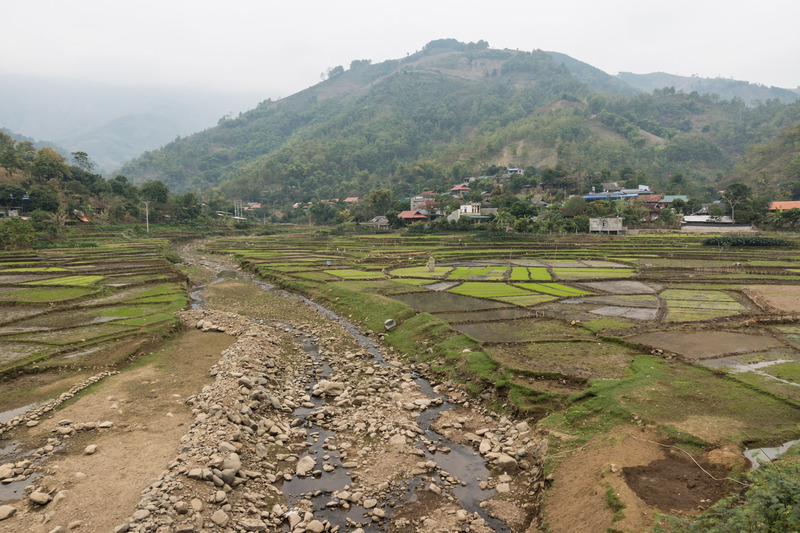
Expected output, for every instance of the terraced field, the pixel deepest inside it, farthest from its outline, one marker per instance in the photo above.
(70, 310)
(531, 315)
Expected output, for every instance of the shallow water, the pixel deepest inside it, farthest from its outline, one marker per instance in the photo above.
(461, 462)
(759, 456)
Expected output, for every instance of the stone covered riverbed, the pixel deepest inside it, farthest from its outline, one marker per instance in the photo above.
(308, 425)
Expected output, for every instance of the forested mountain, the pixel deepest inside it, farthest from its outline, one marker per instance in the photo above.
(454, 110)
(751, 93)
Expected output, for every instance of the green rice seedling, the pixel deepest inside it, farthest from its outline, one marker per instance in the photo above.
(489, 290)
(555, 289)
(77, 281)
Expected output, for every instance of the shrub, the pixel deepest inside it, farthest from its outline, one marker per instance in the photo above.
(745, 240)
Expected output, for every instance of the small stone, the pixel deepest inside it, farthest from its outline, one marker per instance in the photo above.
(197, 504)
(232, 462)
(40, 498)
(253, 524)
(370, 503)
(220, 518)
(90, 449)
(122, 528)
(140, 515)
(7, 511)
(315, 526)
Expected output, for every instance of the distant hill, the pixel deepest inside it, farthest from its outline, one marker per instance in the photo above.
(594, 77)
(455, 110)
(111, 123)
(726, 89)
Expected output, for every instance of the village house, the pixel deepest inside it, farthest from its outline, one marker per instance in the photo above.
(459, 190)
(783, 206)
(472, 211)
(412, 215)
(379, 223)
(610, 225)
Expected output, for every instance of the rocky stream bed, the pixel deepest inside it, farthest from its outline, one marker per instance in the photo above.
(310, 426)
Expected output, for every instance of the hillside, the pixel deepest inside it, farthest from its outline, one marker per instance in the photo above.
(453, 110)
(775, 164)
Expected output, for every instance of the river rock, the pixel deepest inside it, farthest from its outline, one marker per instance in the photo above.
(232, 462)
(7, 511)
(331, 388)
(220, 518)
(305, 465)
(90, 449)
(253, 524)
(506, 463)
(485, 446)
(40, 498)
(315, 526)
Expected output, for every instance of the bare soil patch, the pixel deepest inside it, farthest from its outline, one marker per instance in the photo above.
(147, 407)
(676, 483)
(706, 344)
(641, 474)
(783, 298)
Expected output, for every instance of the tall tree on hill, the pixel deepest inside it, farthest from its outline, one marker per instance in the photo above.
(50, 165)
(735, 194)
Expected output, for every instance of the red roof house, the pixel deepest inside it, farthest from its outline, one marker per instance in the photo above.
(783, 206)
(412, 216)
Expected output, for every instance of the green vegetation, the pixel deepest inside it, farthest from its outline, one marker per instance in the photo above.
(745, 240)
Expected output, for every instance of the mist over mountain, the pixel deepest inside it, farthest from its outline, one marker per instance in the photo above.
(112, 123)
(726, 89)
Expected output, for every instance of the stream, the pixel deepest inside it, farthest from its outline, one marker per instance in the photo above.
(460, 461)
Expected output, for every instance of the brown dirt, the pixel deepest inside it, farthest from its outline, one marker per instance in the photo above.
(642, 474)
(147, 407)
(781, 298)
(706, 344)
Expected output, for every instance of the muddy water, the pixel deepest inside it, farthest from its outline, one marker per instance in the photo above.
(460, 462)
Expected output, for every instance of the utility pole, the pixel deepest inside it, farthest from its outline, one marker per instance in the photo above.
(147, 216)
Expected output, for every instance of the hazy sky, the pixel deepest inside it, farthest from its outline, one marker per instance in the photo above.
(279, 48)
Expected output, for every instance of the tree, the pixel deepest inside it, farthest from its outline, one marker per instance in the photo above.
(378, 202)
(16, 233)
(574, 206)
(735, 194)
(82, 161)
(155, 191)
(10, 195)
(44, 198)
(8, 156)
(50, 165)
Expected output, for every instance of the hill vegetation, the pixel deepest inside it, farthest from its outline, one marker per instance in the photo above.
(455, 110)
